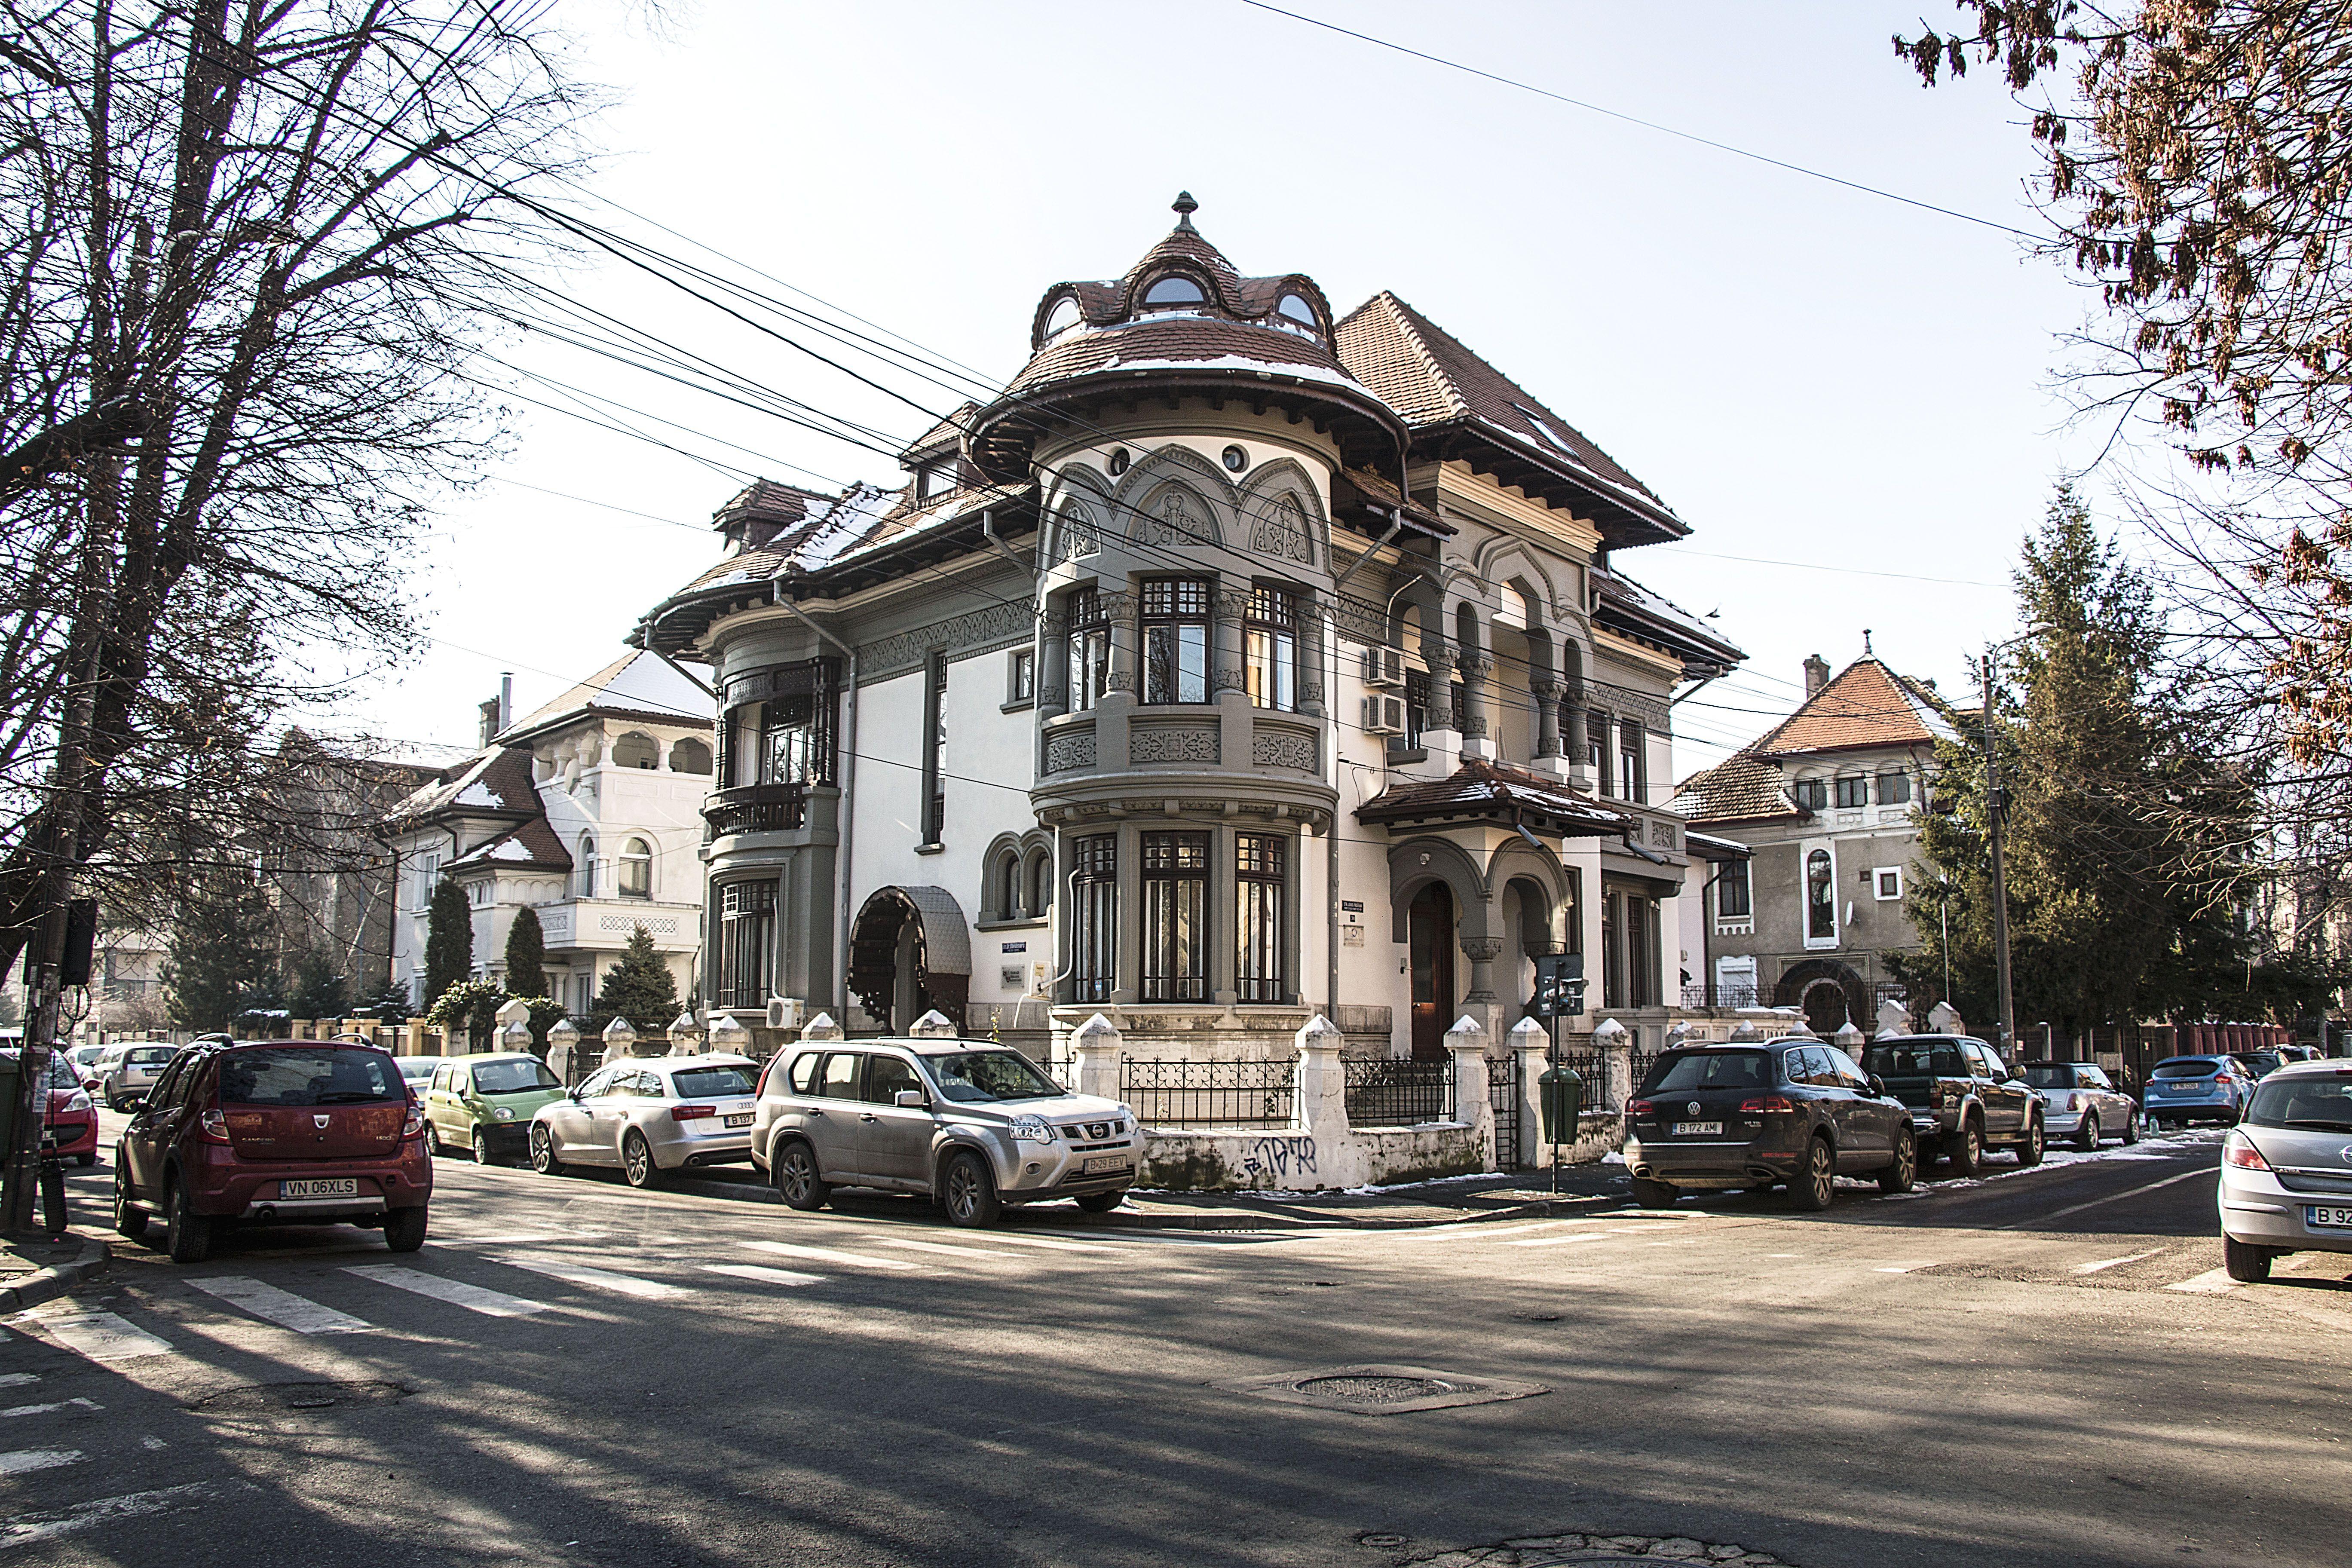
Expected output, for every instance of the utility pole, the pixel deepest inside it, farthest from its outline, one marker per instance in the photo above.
(1997, 807)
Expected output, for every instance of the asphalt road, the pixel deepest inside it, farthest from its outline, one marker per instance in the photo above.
(2042, 1367)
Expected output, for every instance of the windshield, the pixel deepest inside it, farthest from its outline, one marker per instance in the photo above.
(514, 1078)
(1942, 1061)
(298, 1076)
(700, 1083)
(2186, 1067)
(1710, 1070)
(2324, 1103)
(990, 1075)
(2049, 1075)
(151, 1055)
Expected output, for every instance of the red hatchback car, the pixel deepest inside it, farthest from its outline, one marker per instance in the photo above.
(70, 1116)
(274, 1133)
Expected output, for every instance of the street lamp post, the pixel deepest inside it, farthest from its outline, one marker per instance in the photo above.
(1997, 807)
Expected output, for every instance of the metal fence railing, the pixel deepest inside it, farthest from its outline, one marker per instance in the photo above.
(1209, 1094)
(1392, 1091)
(1643, 1062)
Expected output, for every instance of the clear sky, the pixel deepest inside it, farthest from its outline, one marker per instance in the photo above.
(1847, 399)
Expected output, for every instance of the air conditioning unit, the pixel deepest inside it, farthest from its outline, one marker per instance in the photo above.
(1383, 716)
(1384, 666)
(784, 1013)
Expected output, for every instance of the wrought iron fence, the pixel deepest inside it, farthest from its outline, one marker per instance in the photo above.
(1643, 1062)
(1745, 993)
(1390, 1091)
(1209, 1094)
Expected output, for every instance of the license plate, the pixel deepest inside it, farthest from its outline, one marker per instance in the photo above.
(742, 1120)
(342, 1187)
(1698, 1129)
(1102, 1163)
(2319, 1218)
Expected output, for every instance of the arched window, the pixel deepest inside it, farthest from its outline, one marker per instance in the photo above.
(636, 869)
(1821, 900)
(1064, 316)
(584, 866)
(635, 749)
(1298, 309)
(1040, 883)
(1008, 886)
(689, 756)
(1174, 290)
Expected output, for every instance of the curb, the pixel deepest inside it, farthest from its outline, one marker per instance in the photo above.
(58, 1280)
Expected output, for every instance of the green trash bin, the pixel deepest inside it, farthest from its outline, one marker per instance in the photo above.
(1560, 1093)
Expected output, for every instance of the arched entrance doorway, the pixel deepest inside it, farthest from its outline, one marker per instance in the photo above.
(910, 953)
(1825, 1007)
(1428, 932)
(1830, 994)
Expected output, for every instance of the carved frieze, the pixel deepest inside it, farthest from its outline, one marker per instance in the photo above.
(1173, 744)
(998, 625)
(1065, 753)
(1281, 533)
(1283, 749)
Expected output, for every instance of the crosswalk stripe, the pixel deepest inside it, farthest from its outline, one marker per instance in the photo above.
(597, 1279)
(520, 1238)
(103, 1336)
(26, 1460)
(764, 1275)
(1045, 1242)
(1472, 1230)
(2213, 1282)
(2112, 1262)
(52, 1405)
(19, 1379)
(28, 1528)
(283, 1308)
(473, 1298)
(941, 1247)
(1558, 1240)
(1140, 1237)
(829, 1255)
(2111, 1197)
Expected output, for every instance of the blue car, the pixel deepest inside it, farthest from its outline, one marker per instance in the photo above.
(2182, 1089)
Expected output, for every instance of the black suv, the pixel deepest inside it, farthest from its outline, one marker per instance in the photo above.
(1791, 1112)
(1963, 1098)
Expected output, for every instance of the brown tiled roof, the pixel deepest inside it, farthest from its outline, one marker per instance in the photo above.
(1498, 791)
(1425, 374)
(1866, 704)
(1158, 340)
(494, 783)
(947, 433)
(1742, 788)
(531, 845)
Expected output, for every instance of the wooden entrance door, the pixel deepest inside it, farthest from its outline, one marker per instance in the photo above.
(1429, 928)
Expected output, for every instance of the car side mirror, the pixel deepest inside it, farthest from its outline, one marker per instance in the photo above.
(911, 1100)
(1878, 1086)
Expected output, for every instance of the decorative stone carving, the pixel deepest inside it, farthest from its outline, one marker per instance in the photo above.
(999, 625)
(1482, 949)
(1283, 533)
(1173, 744)
(1230, 677)
(1052, 696)
(1079, 537)
(1119, 680)
(1661, 834)
(1282, 751)
(1361, 620)
(1065, 753)
(1173, 524)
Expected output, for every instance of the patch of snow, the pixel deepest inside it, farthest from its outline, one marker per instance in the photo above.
(844, 524)
(512, 849)
(479, 794)
(651, 682)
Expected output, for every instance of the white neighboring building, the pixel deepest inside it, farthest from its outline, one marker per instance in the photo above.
(586, 811)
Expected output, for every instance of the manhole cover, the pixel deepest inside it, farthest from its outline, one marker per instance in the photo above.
(1380, 1389)
(301, 1395)
(1574, 1550)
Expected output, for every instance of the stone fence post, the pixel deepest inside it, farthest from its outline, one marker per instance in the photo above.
(1467, 1043)
(1096, 1046)
(1615, 1043)
(1318, 1103)
(1530, 1053)
(1849, 1039)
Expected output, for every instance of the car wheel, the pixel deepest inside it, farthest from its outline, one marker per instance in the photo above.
(637, 1167)
(403, 1229)
(128, 1223)
(797, 1179)
(85, 1161)
(114, 1105)
(187, 1236)
(1902, 1174)
(2030, 1152)
(481, 1147)
(542, 1152)
(1966, 1148)
(2246, 1263)
(1102, 1203)
(1653, 1195)
(1812, 1186)
(2131, 1131)
(2086, 1138)
(967, 1190)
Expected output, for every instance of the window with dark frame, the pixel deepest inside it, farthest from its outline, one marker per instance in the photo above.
(1416, 706)
(1176, 640)
(1813, 794)
(1022, 677)
(636, 869)
(1821, 899)
(1090, 650)
(1270, 649)
(1852, 790)
(1175, 917)
(1597, 726)
(1733, 892)
(746, 927)
(1258, 862)
(935, 756)
(1894, 787)
(1093, 916)
(1630, 770)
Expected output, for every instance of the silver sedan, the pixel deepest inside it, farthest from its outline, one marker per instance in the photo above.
(2082, 1103)
(650, 1116)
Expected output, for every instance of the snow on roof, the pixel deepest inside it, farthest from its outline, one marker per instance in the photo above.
(638, 683)
(479, 794)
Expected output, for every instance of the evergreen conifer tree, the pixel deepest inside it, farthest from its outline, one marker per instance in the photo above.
(525, 956)
(222, 955)
(448, 940)
(638, 988)
(317, 988)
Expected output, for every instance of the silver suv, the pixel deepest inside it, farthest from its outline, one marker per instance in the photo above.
(972, 1126)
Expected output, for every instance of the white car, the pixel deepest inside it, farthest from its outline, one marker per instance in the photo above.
(2286, 1170)
(2080, 1102)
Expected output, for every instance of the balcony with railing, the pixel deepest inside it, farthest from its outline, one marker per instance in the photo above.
(756, 808)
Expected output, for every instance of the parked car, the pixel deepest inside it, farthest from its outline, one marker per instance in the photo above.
(2079, 1101)
(2182, 1089)
(2259, 1064)
(2286, 1170)
(128, 1072)
(974, 1128)
(649, 1117)
(1795, 1113)
(68, 1112)
(274, 1133)
(1964, 1099)
(85, 1060)
(417, 1071)
(485, 1103)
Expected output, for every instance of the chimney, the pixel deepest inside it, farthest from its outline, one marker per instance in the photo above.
(490, 726)
(1817, 675)
(506, 700)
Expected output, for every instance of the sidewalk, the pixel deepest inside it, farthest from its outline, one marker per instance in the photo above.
(33, 1271)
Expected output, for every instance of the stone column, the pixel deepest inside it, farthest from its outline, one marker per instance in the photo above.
(1313, 648)
(1226, 668)
(1439, 656)
(1575, 741)
(1547, 693)
(1096, 1046)
(1615, 1043)
(1053, 664)
(1530, 1053)
(1318, 1105)
(1466, 1043)
(1474, 670)
(1482, 951)
(1122, 680)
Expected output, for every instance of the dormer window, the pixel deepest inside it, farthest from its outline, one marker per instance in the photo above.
(1295, 306)
(1173, 289)
(1064, 316)
(935, 480)
(1543, 428)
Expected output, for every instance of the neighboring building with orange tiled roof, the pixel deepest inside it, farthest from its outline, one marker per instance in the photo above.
(1826, 799)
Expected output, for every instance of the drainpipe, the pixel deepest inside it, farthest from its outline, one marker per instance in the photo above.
(848, 782)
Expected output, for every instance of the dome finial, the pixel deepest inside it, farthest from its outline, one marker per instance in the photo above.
(1184, 206)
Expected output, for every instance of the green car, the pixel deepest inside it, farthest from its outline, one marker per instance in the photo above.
(485, 1103)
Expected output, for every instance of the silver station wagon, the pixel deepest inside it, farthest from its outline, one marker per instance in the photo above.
(971, 1126)
(649, 1116)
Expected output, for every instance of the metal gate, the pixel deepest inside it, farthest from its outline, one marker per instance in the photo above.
(1503, 1094)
